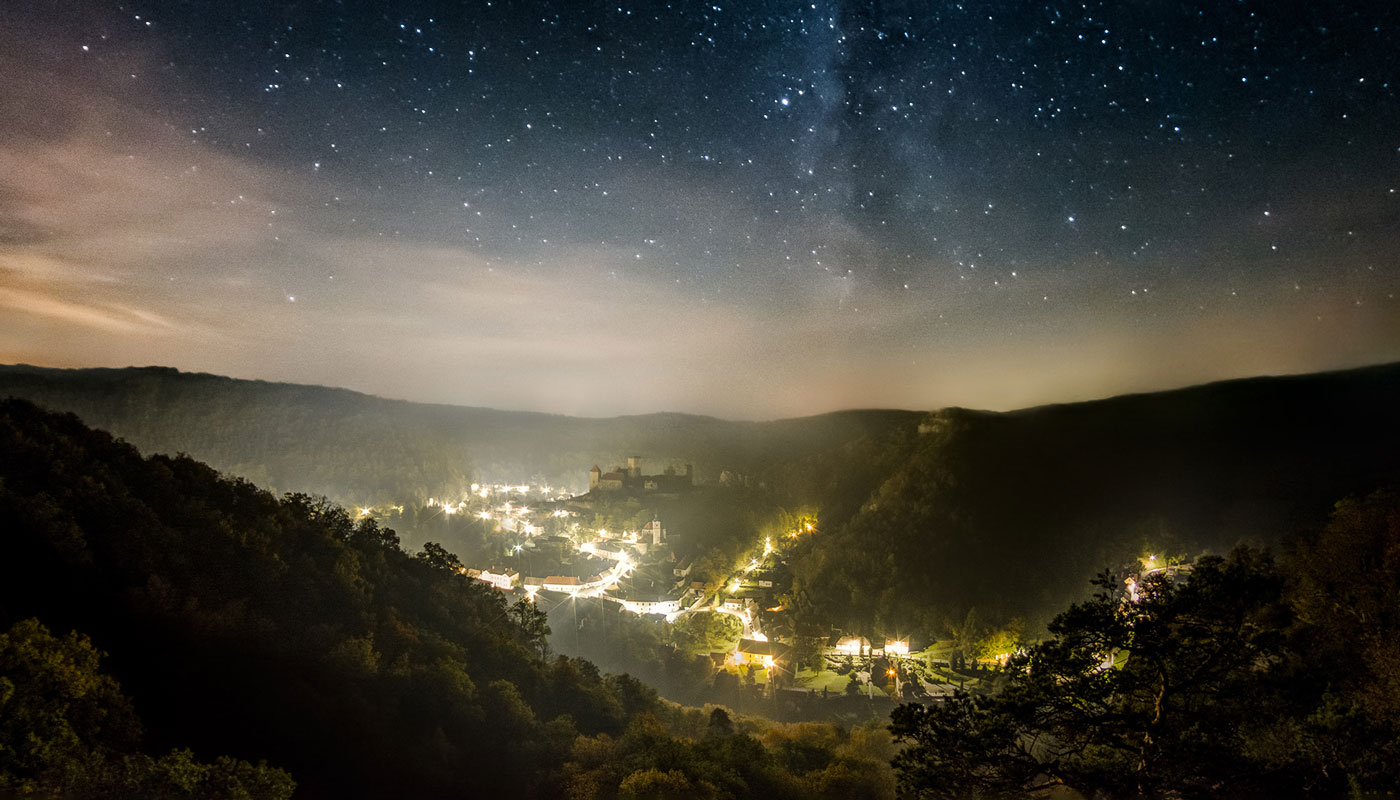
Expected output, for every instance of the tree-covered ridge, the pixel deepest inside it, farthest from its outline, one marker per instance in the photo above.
(1244, 677)
(288, 627)
(1013, 513)
(281, 630)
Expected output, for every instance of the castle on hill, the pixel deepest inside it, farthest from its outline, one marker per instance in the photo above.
(630, 478)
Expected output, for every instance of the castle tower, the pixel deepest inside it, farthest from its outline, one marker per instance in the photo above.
(593, 476)
(634, 466)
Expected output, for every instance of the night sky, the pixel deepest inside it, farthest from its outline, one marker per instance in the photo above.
(748, 209)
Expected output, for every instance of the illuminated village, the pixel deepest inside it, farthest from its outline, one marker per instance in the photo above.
(554, 557)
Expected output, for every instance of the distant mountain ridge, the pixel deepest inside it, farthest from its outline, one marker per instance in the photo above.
(361, 448)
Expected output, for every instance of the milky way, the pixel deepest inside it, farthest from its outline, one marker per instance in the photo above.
(751, 210)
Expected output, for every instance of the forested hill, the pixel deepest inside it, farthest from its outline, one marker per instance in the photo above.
(254, 628)
(278, 630)
(1012, 513)
(358, 448)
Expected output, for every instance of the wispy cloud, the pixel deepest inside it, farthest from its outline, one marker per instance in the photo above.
(125, 239)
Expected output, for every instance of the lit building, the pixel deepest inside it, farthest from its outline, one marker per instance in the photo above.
(503, 579)
(852, 645)
(561, 583)
(654, 531)
(611, 550)
(759, 653)
(631, 477)
(650, 604)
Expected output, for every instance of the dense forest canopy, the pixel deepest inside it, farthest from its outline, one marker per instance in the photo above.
(65, 725)
(1245, 677)
(253, 637)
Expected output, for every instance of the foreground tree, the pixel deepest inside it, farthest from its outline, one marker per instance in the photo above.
(711, 632)
(67, 729)
(1190, 690)
(1348, 591)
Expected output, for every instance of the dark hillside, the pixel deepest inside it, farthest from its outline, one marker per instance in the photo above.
(280, 630)
(1012, 513)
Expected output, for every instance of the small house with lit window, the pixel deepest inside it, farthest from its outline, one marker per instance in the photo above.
(759, 653)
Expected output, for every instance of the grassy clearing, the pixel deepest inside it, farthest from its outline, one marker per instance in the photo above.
(825, 679)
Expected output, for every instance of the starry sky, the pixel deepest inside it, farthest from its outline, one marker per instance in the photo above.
(752, 210)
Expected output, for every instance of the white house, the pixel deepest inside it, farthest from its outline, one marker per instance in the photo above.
(505, 580)
(650, 605)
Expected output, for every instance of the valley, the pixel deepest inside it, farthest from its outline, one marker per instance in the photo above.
(859, 574)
